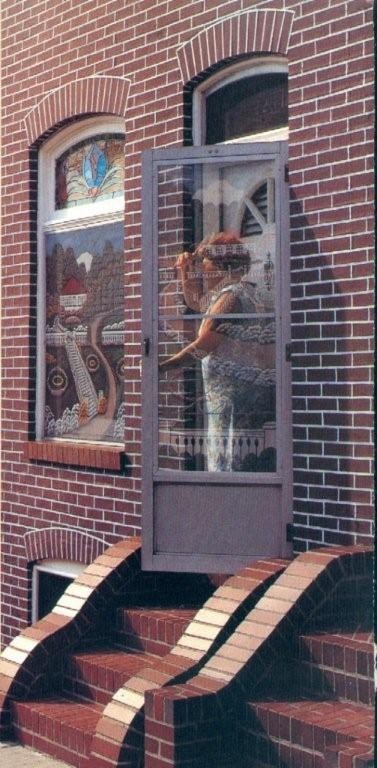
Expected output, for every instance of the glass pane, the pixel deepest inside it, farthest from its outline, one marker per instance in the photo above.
(89, 171)
(256, 104)
(85, 334)
(217, 381)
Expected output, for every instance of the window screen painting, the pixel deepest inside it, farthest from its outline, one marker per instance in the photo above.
(91, 170)
(84, 334)
(217, 369)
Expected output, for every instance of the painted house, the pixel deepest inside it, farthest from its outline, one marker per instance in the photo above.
(168, 586)
(73, 295)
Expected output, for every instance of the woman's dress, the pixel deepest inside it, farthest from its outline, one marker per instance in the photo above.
(239, 385)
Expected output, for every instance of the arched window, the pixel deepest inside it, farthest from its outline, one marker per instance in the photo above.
(80, 284)
(247, 102)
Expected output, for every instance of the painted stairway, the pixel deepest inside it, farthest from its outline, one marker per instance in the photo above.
(83, 382)
(176, 678)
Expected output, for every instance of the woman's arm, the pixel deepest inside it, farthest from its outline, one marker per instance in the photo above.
(207, 341)
(208, 338)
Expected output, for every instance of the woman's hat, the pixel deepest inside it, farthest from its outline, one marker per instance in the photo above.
(226, 250)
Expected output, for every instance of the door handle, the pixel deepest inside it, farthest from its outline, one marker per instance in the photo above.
(146, 346)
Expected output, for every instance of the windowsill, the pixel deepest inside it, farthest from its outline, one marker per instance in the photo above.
(78, 454)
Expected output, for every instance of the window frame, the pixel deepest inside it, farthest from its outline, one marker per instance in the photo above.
(52, 220)
(237, 71)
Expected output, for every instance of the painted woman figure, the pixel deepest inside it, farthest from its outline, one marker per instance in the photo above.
(94, 168)
(235, 346)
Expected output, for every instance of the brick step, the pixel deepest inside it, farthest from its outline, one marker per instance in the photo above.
(354, 754)
(96, 674)
(341, 665)
(151, 630)
(300, 732)
(60, 727)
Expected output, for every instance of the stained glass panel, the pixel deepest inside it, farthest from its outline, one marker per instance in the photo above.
(90, 171)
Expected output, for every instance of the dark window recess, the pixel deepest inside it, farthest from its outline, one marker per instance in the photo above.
(50, 589)
(258, 103)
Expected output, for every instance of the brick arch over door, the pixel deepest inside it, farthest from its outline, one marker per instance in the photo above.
(90, 95)
(62, 544)
(259, 31)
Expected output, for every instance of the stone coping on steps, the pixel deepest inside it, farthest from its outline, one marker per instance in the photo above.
(183, 720)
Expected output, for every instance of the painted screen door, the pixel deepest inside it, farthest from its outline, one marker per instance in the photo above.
(216, 383)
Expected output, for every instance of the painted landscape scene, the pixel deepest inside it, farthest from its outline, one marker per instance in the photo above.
(84, 334)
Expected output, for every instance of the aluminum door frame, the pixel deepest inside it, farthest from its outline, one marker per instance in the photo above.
(178, 561)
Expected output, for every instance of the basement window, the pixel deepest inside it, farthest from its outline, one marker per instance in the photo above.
(49, 580)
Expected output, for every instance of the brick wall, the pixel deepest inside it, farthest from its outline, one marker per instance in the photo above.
(332, 270)
(48, 46)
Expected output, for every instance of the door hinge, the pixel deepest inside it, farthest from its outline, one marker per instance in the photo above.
(288, 352)
(286, 173)
(289, 532)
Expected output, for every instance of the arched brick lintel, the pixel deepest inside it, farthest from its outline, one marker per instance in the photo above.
(62, 544)
(99, 94)
(258, 31)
